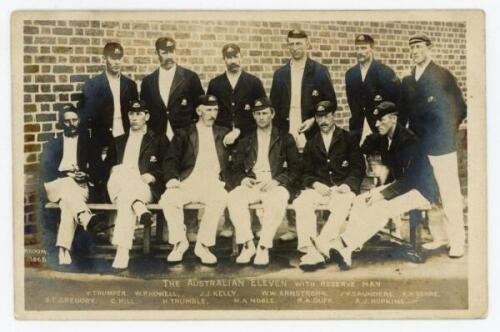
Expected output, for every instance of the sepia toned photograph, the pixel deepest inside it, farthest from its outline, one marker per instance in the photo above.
(249, 164)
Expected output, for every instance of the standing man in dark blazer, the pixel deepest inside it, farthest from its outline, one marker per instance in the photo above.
(367, 84)
(266, 165)
(236, 90)
(104, 103)
(170, 92)
(135, 179)
(195, 170)
(333, 170)
(297, 87)
(66, 174)
(412, 186)
(435, 108)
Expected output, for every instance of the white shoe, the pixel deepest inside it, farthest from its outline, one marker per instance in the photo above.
(456, 251)
(322, 247)
(288, 236)
(226, 233)
(312, 260)
(434, 245)
(246, 253)
(204, 254)
(178, 251)
(121, 258)
(64, 257)
(261, 257)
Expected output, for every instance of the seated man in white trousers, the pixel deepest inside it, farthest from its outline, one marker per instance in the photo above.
(265, 168)
(65, 170)
(194, 169)
(333, 170)
(135, 179)
(413, 186)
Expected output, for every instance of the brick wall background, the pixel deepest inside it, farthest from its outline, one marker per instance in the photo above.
(59, 56)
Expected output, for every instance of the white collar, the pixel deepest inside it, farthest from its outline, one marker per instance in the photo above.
(298, 63)
(424, 65)
(138, 132)
(169, 71)
(366, 66)
(114, 78)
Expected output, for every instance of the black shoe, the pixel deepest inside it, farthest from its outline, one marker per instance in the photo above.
(96, 225)
(146, 219)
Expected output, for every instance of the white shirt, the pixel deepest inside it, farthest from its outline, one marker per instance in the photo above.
(166, 77)
(114, 85)
(262, 168)
(133, 149)
(327, 139)
(233, 78)
(419, 70)
(206, 167)
(364, 69)
(295, 116)
(69, 157)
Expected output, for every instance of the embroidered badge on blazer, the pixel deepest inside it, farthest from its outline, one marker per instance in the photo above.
(378, 98)
(184, 102)
(247, 107)
(315, 93)
(152, 159)
(431, 99)
(345, 163)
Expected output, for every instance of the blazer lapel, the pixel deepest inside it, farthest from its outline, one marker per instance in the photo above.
(146, 141)
(177, 81)
(337, 133)
(193, 140)
(288, 80)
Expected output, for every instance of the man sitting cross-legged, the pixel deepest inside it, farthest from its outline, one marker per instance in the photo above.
(333, 171)
(413, 186)
(194, 169)
(265, 167)
(135, 179)
(65, 167)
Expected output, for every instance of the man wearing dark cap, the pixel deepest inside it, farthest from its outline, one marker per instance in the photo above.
(135, 179)
(412, 186)
(170, 92)
(195, 171)
(235, 90)
(367, 84)
(297, 87)
(333, 170)
(104, 103)
(265, 167)
(435, 107)
(65, 169)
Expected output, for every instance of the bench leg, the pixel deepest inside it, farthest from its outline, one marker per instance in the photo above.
(416, 219)
(160, 224)
(147, 240)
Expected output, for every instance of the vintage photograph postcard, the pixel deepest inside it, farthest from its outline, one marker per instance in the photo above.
(249, 164)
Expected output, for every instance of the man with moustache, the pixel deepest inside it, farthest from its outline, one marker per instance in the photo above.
(236, 90)
(104, 103)
(296, 88)
(170, 92)
(412, 186)
(333, 170)
(265, 166)
(367, 84)
(194, 169)
(435, 107)
(135, 179)
(65, 169)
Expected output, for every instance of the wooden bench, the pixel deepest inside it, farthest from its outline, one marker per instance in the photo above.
(412, 247)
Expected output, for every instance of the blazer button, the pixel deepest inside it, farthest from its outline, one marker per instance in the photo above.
(328, 160)
(287, 119)
(330, 172)
(232, 104)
